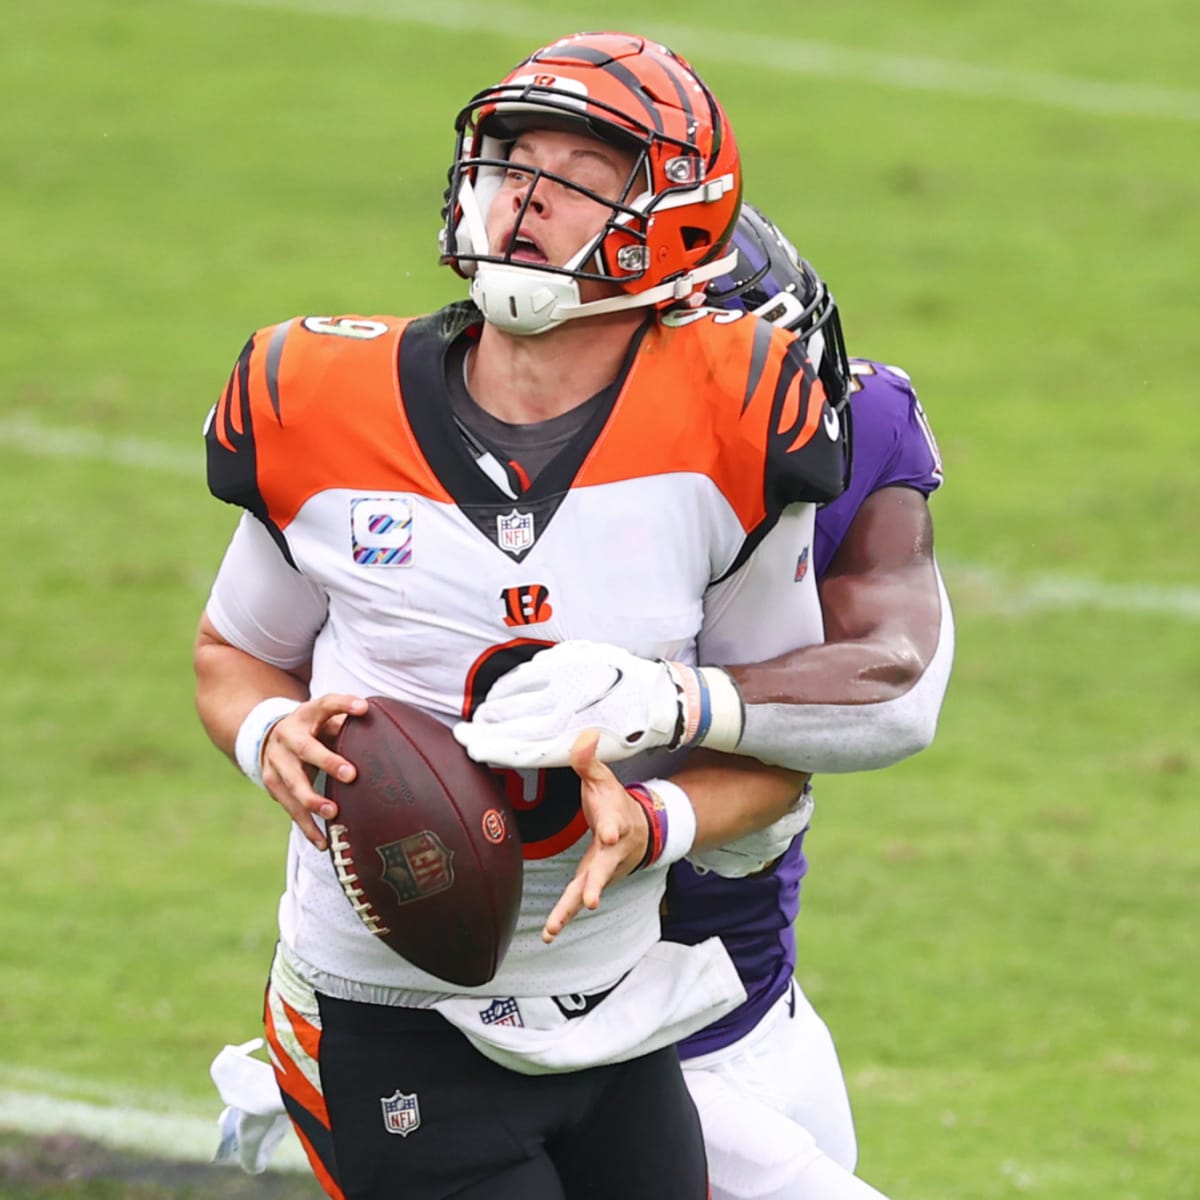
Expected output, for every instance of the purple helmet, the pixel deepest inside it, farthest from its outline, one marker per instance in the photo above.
(772, 281)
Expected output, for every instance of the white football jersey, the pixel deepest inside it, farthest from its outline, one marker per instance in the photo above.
(411, 574)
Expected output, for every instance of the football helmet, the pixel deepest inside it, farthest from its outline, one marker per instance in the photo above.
(662, 240)
(771, 280)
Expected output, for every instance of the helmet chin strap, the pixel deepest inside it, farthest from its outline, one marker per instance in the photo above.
(529, 300)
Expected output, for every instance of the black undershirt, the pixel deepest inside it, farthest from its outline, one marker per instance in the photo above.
(527, 447)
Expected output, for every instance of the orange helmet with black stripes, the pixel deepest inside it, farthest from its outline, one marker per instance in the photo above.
(663, 239)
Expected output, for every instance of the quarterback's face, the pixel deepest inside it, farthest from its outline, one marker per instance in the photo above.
(559, 220)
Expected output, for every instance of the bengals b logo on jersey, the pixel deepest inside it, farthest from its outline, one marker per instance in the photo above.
(528, 604)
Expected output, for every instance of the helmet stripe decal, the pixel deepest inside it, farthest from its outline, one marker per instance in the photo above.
(717, 125)
(588, 54)
(684, 99)
(605, 63)
(631, 81)
(673, 69)
(624, 74)
(657, 246)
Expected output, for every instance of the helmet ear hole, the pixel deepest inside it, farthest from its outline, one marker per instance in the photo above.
(694, 238)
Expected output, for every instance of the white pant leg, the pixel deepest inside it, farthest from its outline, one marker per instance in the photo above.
(803, 1054)
(775, 1113)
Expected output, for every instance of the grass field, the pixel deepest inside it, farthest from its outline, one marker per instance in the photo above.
(1001, 932)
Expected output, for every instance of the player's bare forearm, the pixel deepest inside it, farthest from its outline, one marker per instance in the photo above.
(882, 611)
(229, 683)
(733, 795)
(868, 670)
(294, 747)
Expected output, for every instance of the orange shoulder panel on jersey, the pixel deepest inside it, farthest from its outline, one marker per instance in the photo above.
(735, 399)
(313, 404)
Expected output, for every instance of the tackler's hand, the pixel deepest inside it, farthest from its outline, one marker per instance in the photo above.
(533, 716)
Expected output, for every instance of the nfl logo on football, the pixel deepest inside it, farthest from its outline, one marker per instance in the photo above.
(515, 532)
(400, 1113)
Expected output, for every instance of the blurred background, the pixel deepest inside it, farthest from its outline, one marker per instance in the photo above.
(1006, 201)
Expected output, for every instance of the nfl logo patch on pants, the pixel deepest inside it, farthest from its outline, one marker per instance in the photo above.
(401, 1113)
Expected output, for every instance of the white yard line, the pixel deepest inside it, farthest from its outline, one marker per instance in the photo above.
(68, 441)
(985, 590)
(791, 56)
(178, 1137)
(974, 588)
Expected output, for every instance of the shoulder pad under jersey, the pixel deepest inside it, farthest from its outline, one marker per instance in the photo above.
(287, 395)
(756, 382)
(892, 433)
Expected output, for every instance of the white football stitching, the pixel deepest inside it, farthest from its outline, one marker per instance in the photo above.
(344, 865)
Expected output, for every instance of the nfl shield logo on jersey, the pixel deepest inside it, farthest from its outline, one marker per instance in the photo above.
(502, 1012)
(514, 533)
(401, 1113)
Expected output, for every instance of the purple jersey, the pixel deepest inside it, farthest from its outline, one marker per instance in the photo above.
(893, 446)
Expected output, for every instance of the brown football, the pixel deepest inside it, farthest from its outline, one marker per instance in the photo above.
(425, 845)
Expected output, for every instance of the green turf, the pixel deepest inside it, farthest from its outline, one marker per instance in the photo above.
(1000, 932)
(62, 1167)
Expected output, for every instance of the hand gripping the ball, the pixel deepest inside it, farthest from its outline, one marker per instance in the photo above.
(533, 715)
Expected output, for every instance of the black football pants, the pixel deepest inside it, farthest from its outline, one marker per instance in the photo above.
(416, 1113)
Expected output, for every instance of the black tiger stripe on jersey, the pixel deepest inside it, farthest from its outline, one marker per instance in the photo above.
(231, 453)
(759, 350)
(274, 354)
(736, 402)
(800, 428)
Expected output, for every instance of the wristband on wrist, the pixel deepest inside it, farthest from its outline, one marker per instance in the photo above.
(711, 711)
(656, 824)
(252, 733)
(671, 820)
(689, 688)
(726, 714)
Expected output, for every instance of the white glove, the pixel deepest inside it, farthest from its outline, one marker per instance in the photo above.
(254, 1121)
(751, 853)
(533, 715)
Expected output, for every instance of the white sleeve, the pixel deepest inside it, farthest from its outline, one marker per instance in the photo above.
(763, 611)
(834, 739)
(750, 853)
(261, 604)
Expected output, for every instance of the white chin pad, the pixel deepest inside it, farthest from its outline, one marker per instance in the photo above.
(522, 300)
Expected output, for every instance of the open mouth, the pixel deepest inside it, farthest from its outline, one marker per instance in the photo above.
(524, 249)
